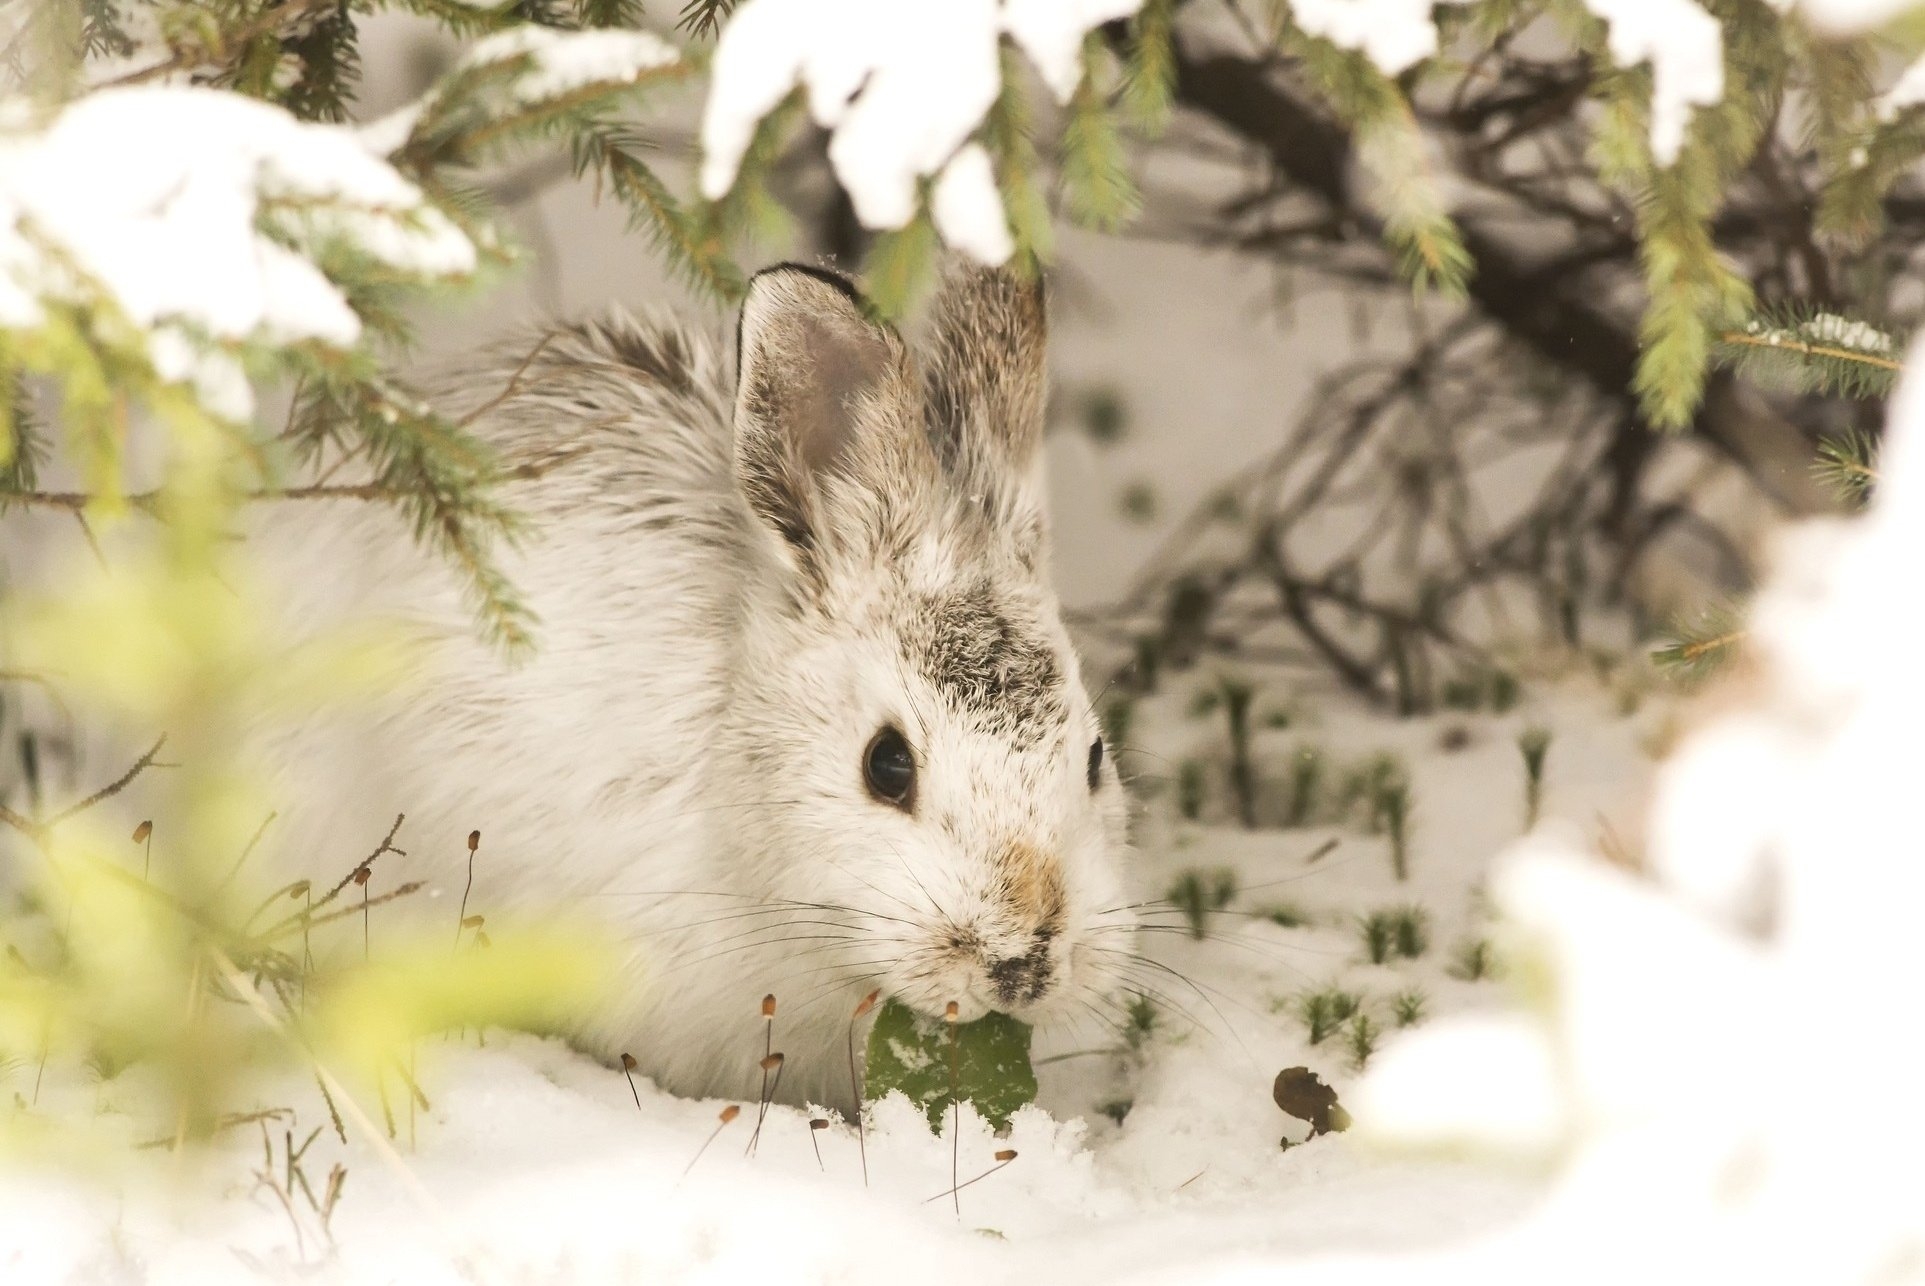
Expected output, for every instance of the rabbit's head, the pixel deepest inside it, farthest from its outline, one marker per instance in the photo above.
(909, 717)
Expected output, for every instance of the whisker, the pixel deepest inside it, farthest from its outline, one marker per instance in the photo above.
(1316, 853)
(1141, 961)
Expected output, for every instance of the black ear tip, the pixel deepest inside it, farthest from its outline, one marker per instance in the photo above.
(826, 276)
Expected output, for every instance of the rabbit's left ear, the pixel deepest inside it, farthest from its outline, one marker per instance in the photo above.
(985, 394)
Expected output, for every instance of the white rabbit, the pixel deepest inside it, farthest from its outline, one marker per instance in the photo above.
(803, 718)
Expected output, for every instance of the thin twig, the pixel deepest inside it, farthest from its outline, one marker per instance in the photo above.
(1775, 340)
(107, 792)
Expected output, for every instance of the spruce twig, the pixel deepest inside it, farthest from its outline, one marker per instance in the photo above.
(1700, 648)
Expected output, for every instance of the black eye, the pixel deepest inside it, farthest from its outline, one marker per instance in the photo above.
(890, 769)
(1095, 763)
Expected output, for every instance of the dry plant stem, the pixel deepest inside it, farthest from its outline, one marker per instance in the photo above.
(339, 1099)
(867, 1003)
(145, 501)
(729, 1113)
(775, 1062)
(816, 1126)
(46, 1048)
(264, 1178)
(248, 851)
(334, 1113)
(412, 887)
(1003, 1159)
(193, 1015)
(385, 846)
(307, 948)
(768, 1047)
(107, 792)
(508, 390)
(474, 842)
(628, 1072)
(381, 1096)
(950, 1016)
(38, 831)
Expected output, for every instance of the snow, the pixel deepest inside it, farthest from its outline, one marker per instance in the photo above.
(1685, 48)
(1827, 328)
(560, 63)
(900, 86)
(1847, 17)
(1730, 1036)
(1051, 32)
(567, 61)
(968, 209)
(1396, 35)
(105, 199)
(1714, 1051)
(535, 1163)
(1907, 91)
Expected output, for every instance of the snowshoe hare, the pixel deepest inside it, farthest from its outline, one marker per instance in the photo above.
(804, 718)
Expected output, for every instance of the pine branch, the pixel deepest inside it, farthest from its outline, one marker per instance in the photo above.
(747, 211)
(1848, 464)
(465, 20)
(609, 13)
(692, 249)
(1702, 647)
(22, 446)
(901, 265)
(704, 18)
(1007, 135)
(1416, 220)
(1694, 292)
(101, 32)
(329, 57)
(1805, 350)
(1097, 185)
(439, 476)
(225, 46)
(1149, 76)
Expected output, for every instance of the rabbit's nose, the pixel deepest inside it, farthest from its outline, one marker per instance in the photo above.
(1020, 980)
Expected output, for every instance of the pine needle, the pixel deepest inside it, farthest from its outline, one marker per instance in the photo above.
(1701, 647)
(1097, 187)
(1848, 464)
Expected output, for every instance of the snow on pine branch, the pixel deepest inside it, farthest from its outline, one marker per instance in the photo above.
(205, 219)
(1678, 38)
(901, 86)
(1795, 351)
(567, 62)
(1828, 329)
(1685, 48)
(537, 69)
(1396, 35)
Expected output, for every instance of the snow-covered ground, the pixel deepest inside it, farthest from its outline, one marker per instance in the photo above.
(535, 1164)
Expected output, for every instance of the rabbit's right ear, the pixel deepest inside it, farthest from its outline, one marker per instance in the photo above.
(822, 392)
